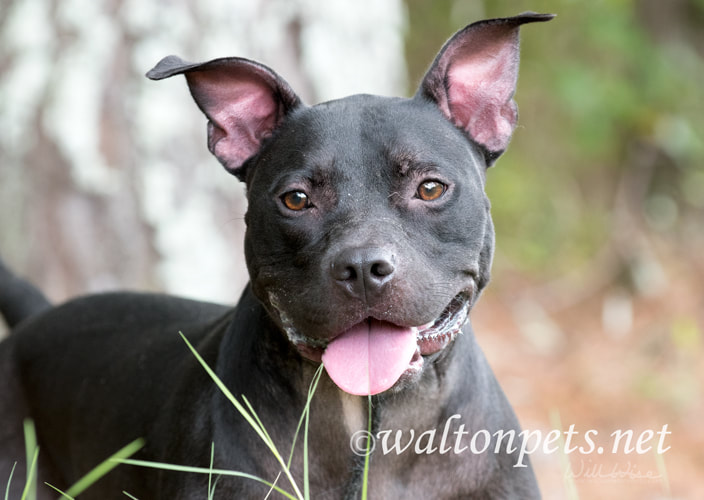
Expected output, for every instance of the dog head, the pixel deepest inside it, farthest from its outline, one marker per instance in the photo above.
(368, 231)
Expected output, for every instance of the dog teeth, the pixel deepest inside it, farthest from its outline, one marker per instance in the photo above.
(449, 324)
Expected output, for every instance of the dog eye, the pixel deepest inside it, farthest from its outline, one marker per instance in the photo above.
(430, 190)
(296, 200)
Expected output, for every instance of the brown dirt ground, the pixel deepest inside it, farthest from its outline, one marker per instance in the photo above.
(565, 367)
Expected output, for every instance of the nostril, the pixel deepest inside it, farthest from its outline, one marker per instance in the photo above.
(347, 274)
(382, 268)
(345, 270)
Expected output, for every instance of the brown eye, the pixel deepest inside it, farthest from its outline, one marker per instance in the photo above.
(430, 190)
(295, 200)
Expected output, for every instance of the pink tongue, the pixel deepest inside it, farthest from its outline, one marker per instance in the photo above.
(369, 357)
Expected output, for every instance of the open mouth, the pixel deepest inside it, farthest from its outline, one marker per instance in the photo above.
(371, 356)
(437, 335)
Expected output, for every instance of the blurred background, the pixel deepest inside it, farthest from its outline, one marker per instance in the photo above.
(595, 314)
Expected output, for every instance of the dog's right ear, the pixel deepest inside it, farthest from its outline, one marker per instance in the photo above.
(244, 101)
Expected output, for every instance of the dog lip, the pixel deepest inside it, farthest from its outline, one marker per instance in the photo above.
(432, 337)
(310, 352)
(446, 327)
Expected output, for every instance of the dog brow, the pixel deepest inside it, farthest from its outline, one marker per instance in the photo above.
(407, 163)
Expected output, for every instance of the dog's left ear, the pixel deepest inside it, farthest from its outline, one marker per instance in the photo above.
(243, 100)
(473, 79)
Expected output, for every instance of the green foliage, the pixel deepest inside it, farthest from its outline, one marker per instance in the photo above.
(32, 455)
(103, 468)
(32, 449)
(256, 424)
(604, 90)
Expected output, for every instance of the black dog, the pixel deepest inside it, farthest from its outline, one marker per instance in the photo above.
(368, 240)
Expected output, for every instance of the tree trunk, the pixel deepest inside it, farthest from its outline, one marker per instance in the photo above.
(105, 178)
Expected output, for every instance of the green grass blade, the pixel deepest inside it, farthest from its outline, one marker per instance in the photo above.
(202, 470)
(103, 468)
(63, 495)
(223, 388)
(314, 383)
(311, 391)
(256, 418)
(268, 493)
(306, 483)
(571, 491)
(215, 485)
(30, 488)
(250, 420)
(30, 446)
(365, 477)
(210, 475)
(212, 484)
(130, 496)
(9, 481)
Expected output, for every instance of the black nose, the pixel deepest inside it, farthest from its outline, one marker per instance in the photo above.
(363, 272)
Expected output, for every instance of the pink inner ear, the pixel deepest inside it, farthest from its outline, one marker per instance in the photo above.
(247, 118)
(242, 110)
(481, 81)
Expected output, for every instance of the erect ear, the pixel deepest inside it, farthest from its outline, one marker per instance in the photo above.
(473, 80)
(244, 101)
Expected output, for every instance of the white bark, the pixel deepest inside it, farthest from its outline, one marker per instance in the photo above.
(105, 179)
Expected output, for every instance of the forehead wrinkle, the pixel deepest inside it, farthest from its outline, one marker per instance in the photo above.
(325, 174)
(408, 163)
